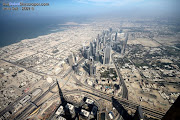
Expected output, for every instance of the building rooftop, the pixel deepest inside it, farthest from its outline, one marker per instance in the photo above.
(85, 113)
(89, 101)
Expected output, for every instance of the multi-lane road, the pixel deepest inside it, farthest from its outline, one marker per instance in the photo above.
(126, 103)
(125, 90)
(30, 106)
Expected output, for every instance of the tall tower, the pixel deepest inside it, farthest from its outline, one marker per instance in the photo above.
(107, 55)
(97, 56)
(91, 48)
(71, 60)
(97, 44)
(110, 30)
(84, 47)
(104, 41)
(92, 69)
(94, 50)
(97, 40)
(125, 43)
(111, 39)
(87, 53)
(116, 37)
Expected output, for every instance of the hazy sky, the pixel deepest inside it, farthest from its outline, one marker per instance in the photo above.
(98, 7)
(19, 25)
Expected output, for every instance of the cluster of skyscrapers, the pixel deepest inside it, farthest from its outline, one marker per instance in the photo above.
(101, 48)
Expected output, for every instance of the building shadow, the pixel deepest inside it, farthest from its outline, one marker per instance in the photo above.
(123, 112)
(67, 113)
(174, 112)
(138, 114)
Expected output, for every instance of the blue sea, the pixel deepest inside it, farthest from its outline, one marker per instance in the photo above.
(13, 30)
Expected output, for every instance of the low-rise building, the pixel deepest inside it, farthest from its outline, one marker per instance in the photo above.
(59, 110)
(25, 99)
(89, 101)
(85, 113)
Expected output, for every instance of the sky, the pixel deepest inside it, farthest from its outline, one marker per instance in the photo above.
(18, 25)
(96, 7)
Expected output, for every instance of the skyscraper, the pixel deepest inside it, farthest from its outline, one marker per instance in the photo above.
(124, 44)
(116, 36)
(91, 48)
(104, 41)
(107, 55)
(94, 50)
(87, 53)
(110, 30)
(71, 60)
(97, 56)
(92, 69)
(91, 59)
(97, 44)
(97, 40)
(101, 45)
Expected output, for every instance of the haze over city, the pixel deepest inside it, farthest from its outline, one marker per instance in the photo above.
(99, 7)
(89, 59)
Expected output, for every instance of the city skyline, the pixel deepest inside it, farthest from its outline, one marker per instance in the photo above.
(90, 60)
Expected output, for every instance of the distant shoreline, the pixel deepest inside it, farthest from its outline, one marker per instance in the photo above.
(72, 23)
(16, 40)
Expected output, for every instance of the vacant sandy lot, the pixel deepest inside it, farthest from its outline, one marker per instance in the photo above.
(145, 42)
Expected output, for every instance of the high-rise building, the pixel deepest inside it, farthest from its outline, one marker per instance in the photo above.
(124, 44)
(114, 45)
(107, 55)
(97, 45)
(110, 30)
(116, 36)
(92, 69)
(71, 60)
(91, 59)
(91, 48)
(97, 41)
(91, 66)
(84, 47)
(101, 45)
(111, 40)
(104, 41)
(97, 56)
(76, 68)
(101, 58)
(94, 49)
(83, 50)
(87, 52)
(120, 31)
(119, 48)
(101, 39)
(75, 57)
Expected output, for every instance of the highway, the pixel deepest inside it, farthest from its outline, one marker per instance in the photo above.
(125, 90)
(24, 112)
(130, 105)
(126, 103)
